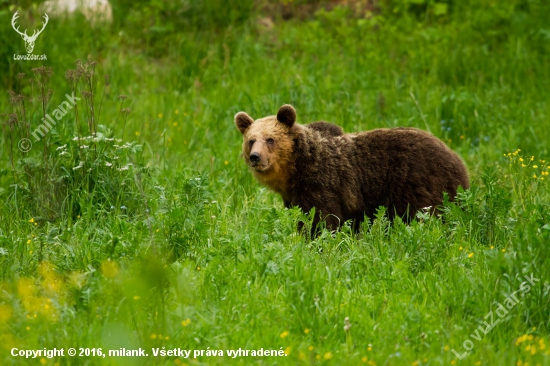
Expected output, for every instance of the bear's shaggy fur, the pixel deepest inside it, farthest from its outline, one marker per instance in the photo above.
(349, 176)
(326, 129)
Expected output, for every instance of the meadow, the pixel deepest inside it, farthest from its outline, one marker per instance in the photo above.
(134, 223)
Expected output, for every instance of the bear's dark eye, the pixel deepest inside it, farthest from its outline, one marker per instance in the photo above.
(270, 141)
(251, 142)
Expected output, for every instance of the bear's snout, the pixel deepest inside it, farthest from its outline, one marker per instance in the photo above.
(255, 158)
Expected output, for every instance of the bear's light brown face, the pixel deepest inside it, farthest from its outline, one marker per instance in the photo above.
(267, 148)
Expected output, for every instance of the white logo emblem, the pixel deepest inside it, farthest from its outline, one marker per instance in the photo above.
(29, 40)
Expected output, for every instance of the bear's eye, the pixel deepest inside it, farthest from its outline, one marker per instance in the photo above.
(251, 142)
(270, 141)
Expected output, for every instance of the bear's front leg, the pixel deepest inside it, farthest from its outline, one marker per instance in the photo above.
(331, 215)
(332, 221)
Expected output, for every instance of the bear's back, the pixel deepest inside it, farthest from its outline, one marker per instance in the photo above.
(326, 129)
(405, 167)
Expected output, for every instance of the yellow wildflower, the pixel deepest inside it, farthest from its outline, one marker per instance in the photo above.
(109, 269)
(5, 313)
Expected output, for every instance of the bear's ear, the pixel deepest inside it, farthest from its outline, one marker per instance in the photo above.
(243, 121)
(287, 115)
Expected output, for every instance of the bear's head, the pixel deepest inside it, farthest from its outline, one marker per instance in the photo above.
(268, 145)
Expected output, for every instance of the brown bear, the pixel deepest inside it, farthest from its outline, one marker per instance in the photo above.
(349, 176)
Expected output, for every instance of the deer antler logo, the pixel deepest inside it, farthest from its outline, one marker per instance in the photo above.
(29, 40)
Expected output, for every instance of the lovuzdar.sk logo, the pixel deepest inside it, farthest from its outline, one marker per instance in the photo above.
(29, 40)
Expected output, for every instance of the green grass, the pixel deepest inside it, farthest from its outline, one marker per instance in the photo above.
(184, 249)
